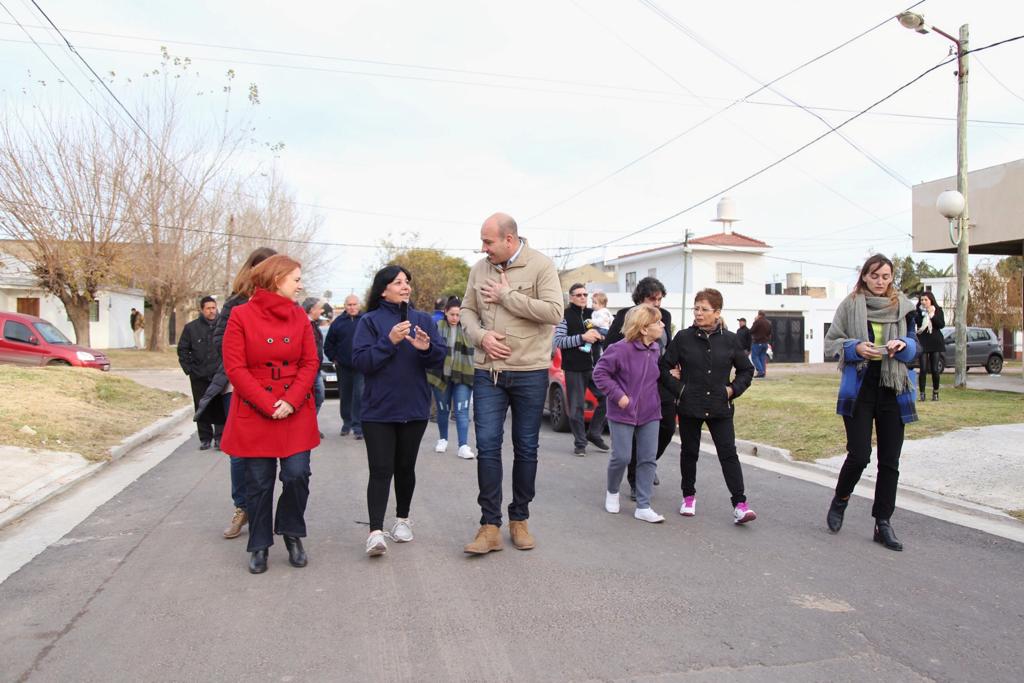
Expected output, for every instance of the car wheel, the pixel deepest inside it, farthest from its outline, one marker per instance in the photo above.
(57, 362)
(556, 408)
(994, 365)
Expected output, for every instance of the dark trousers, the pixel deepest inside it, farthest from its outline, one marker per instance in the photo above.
(291, 505)
(237, 467)
(576, 385)
(666, 428)
(929, 363)
(724, 435)
(523, 391)
(207, 431)
(350, 399)
(391, 449)
(875, 405)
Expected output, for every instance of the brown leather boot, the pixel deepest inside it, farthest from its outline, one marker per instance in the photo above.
(488, 538)
(521, 536)
(238, 520)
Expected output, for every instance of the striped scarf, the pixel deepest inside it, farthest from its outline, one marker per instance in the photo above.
(458, 362)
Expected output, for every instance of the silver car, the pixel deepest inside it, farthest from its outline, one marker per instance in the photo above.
(983, 350)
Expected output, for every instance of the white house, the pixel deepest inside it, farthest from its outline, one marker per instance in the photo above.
(735, 265)
(108, 319)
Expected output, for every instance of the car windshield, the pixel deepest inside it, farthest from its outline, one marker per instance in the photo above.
(52, 334)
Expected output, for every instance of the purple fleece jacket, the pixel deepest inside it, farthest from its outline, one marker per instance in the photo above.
(629, 368)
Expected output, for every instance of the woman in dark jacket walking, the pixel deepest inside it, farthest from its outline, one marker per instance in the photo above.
(930, 321)
(213, 406)
(393, 347)
(698, 369)
(270, 359)
(873, 336)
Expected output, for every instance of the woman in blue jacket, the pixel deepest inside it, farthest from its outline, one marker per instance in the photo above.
(873, 336)
(393, 346)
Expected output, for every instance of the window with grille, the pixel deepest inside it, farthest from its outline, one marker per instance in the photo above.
(729, 272)
(631, 281)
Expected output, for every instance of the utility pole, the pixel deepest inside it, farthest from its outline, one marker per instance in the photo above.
(227, 259)
(963, 248)
(682, 301)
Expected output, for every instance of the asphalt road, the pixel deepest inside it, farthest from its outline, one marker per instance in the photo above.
(145, 589)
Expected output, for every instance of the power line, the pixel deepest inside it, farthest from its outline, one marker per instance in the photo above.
(996, 79)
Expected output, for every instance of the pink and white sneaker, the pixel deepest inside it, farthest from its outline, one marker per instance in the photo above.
(689, 506)
(742, 514)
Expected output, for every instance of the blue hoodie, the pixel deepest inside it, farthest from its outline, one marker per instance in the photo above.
(395, 387)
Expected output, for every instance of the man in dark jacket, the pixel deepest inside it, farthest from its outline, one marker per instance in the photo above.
(338, 348)
(200, 362)
(651, 291)
(761, 337)
(576, 337)
(743, 335)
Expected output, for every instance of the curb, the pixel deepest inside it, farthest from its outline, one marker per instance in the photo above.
(991, 520)
(37, 492)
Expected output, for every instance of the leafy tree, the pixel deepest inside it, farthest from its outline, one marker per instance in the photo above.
(435, 274)
(988, 304)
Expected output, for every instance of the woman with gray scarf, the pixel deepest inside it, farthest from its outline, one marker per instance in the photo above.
(874, 337)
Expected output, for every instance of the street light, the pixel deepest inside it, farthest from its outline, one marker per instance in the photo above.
(916, 22)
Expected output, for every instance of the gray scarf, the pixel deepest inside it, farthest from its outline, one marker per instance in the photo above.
(851, 323)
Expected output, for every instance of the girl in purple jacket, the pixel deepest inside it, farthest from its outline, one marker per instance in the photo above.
(627, 373)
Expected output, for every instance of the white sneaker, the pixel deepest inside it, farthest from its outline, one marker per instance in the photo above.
(441, 446)
(689, 506)
(611, 502)
(466, 453)
(648, 515)
(375, 544)
(402, 531)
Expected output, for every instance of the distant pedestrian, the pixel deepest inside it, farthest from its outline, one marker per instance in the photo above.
(650, 291)
(314, 308)
(200, 361)
(138, 323)
(873, 334)
(627, 374)
(394, 346)
(452, 383)
(760, 337)
(930, 321)
(743, 335)
(338, 348)
(215, 404)
(270, 359)
(438, 314)
(575, 335)
(698, 368)
(513, 301)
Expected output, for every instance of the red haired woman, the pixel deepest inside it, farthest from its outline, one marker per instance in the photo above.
(270, 358)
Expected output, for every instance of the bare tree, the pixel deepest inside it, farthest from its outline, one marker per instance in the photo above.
(65, 184)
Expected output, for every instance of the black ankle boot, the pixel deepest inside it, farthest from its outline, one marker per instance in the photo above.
(258, 561)
(835, 513)
(935, 395)
(296, 553)
(886, 536)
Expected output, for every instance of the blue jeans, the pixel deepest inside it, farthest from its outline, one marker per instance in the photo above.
(290, 519)
(524, 392)
(457, 396)
(319, 392)
(237, 467)
(350, 395)
(759, 356)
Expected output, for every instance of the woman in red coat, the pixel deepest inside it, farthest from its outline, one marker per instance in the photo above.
(270, 359)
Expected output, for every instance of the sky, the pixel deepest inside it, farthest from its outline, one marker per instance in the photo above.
(402, 118)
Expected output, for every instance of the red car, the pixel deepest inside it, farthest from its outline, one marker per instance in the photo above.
(28, 340)
(557, 405)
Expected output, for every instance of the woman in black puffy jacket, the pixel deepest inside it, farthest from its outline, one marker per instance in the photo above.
(698, 369)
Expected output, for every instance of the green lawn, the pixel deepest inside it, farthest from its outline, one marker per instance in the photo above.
(798, 412)
(133, 359)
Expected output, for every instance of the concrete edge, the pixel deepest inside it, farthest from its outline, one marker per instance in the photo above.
(962, 512)
(50, 486)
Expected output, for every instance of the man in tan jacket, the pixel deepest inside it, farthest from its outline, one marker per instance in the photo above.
(513, 301)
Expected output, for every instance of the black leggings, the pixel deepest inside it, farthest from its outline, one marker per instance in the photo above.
(391, 449)
(929, 362)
